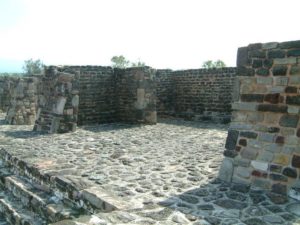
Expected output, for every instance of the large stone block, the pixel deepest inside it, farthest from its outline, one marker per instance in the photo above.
(249, 153)
(289, 121)
(231, 139)
(226, 170)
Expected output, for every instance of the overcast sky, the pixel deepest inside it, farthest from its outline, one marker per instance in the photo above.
(174, 34)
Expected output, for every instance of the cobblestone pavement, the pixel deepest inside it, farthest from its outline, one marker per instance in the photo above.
(165, 172)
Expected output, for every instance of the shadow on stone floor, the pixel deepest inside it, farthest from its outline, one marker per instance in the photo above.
(26, 134)
(219, 203)
(98, 128)
(194, 124)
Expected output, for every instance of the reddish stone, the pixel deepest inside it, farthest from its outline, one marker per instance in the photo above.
(296, 161)
(279, 140)
(272, 98)
(257, 173)
(238, 148)
(243, 142)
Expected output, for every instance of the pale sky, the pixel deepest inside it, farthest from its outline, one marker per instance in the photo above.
(176, 34)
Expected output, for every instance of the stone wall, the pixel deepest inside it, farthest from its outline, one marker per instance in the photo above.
(97, 86)
(18, 97)
(200, 94)
(263, 143)
(58, 101)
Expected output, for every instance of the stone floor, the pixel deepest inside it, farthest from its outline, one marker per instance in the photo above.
(166, 173)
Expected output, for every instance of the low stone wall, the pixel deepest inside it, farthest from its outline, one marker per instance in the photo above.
(58, 102)
(200, 94)
(263, 143)
(18, 97)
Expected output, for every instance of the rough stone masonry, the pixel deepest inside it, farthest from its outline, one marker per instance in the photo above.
(263, 143)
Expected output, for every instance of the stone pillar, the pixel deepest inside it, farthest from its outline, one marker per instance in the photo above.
(263, 143)
(22, 101)
(58, 102)
(136, 95)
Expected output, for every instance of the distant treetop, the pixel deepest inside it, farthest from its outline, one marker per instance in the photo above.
(32, 67)
(216, 64)
(121, 62)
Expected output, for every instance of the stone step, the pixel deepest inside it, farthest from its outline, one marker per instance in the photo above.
(15, 214)
(89, 198)
(42, 202)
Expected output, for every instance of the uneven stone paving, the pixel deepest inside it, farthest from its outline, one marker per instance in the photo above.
(165, 173)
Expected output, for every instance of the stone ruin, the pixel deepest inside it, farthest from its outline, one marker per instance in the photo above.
(263, 142)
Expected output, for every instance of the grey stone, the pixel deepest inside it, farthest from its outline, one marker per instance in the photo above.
(230, 204)
(294, 208)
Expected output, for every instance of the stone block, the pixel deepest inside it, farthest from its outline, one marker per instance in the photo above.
(75, 101)
(256, 144)
(279, 188)
(278, 177)
(289, 121)
(242, 57)
(290, 140)
(265, 156)
(244, 106)
(259, 165)
(249, 153)
(262, 72)
(281, 81)
(243, 172)
(280, 70)
(241, 126)
(295, 70)
(238, 161)
(231, 139)
(272, 108)
(291, 90)
(294, 52)
(248, 134)
(270, 45)
(226, 170)
(285, 131)
(296, 161)
(244, 71)
(261, 183)
(238, 116)
(266, 137)
(60, 105)
(273, 54)
(252, 97)
(255, 117)
(294, 80)
(277, 89)
(275, 168)
(281, 159)
(257, 63)
(285, 61)
(290, 172)
(264, 80)
(293, 100)
(289, 44)
(293, 109)
(272, 98)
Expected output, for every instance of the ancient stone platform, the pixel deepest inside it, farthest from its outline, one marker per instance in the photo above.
(133, 174)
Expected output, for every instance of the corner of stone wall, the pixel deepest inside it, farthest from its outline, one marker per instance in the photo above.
(263, 142)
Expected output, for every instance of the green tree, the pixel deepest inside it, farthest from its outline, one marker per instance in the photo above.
(32, 67)
(119, 62)
(216, 64)
(139, 63)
